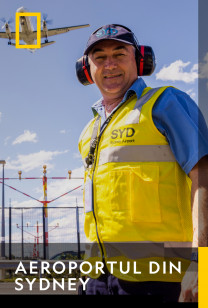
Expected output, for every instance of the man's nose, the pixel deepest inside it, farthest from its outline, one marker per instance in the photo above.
(110, 63)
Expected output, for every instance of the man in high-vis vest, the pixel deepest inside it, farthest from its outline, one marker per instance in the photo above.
(145, 154)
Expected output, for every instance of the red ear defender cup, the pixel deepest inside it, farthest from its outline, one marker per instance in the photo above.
(146, 62)
(83, 71)
(140, 67)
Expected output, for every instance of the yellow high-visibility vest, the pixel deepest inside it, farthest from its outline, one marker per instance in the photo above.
(140, 193)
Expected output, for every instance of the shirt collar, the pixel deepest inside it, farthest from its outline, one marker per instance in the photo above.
(136, 88)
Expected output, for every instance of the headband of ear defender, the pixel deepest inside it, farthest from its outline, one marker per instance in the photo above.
(145, 57)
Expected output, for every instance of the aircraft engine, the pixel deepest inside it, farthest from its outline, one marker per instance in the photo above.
(6, 26)
(46, 21)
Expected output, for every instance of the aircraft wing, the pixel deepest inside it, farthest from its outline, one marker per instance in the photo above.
(56, 31)
(5, 35)
(12, 35)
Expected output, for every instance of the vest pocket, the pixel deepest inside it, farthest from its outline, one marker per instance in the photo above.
(135, 192)
(119, 188)
(144, 194)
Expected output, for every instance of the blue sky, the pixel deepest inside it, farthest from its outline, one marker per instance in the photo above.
(44, 108)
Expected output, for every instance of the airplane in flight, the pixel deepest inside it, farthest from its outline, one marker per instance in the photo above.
(27, 33)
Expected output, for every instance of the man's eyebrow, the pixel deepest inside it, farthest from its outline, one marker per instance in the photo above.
(96, 50)
(102, 50)
(121, 47)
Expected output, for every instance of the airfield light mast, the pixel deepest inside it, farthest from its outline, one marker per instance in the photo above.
(45, 203)
(45, 217)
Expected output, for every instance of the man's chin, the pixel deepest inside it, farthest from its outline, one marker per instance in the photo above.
(114, 89)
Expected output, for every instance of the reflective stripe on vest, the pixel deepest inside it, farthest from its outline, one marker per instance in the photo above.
(137, 153)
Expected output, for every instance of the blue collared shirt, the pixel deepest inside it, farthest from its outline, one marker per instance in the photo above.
(178, 118)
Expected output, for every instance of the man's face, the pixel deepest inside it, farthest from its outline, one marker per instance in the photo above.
(113, 67)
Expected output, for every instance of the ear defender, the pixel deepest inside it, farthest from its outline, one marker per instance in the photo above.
(146, 62)
(83, 71)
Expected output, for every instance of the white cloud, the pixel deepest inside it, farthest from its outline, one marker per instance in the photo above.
(191, 93)
(57, 188)
(77, 155)
(65, 131)
(27, 136)
(175, 72)
(203, 67)
(32, 161)
(6, 140)
(25, 203)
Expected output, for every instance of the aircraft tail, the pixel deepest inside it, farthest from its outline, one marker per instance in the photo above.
(30, 49)
(42, 44)
(47, 44)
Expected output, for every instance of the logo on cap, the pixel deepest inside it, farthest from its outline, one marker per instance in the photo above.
(106, 32)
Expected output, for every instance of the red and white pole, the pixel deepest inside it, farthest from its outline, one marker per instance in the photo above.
(45, 203)
(37, 240)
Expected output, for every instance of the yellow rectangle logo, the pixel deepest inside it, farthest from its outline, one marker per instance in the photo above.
(203, 275)
(38, 15)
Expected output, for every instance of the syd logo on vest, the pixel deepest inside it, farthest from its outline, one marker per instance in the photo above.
(122, 135)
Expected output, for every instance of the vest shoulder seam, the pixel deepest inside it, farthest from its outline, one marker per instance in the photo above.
(85, 128)
(153, 127)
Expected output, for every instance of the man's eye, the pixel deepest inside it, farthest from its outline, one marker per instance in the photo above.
(100, 57)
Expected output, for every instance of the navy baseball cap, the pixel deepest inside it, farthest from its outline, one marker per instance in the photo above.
(111, 32)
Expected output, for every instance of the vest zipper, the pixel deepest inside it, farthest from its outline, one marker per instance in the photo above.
(100, 244)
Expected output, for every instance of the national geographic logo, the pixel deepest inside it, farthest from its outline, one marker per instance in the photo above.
(123, 135)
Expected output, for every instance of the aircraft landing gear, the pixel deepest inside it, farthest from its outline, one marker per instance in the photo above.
(46, 41)
(9, 43)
